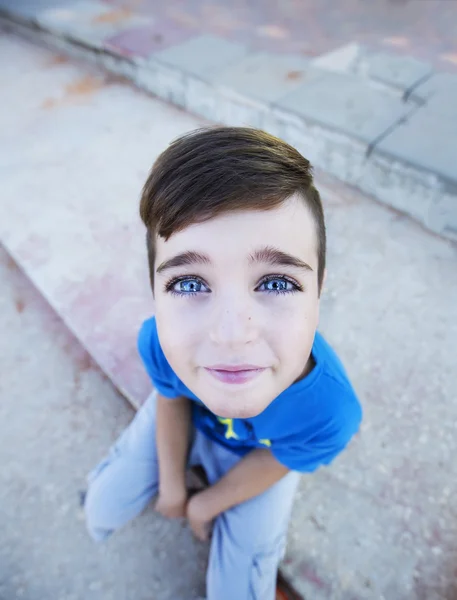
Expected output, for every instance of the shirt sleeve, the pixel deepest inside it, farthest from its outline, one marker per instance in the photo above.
(154, 360)
(307, 452)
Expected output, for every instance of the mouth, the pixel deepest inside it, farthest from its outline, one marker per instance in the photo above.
(234, 374)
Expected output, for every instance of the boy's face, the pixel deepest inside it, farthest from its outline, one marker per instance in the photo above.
(237, 305)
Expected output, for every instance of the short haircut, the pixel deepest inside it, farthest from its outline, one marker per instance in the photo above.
(209, 172)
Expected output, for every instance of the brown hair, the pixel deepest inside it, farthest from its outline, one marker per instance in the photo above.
(223, 169)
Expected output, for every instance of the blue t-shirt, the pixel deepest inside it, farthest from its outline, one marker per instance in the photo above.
(305, 427)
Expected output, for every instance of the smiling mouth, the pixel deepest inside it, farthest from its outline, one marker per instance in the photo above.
(235, 374)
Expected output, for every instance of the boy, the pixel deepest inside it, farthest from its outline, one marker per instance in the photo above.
(245, 386)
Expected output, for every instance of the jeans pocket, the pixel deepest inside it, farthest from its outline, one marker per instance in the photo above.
(264, 571)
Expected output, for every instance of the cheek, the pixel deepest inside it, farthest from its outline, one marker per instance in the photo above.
(293, 331)
(178, 329)
(183, 311)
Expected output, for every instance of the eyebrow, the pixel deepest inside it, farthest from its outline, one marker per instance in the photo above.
(184, 259)
(268, 254)
(275, 257)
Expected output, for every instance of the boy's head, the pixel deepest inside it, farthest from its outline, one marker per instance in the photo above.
(236, 246)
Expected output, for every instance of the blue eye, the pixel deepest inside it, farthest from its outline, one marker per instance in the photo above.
(278, 285)
(189, 286)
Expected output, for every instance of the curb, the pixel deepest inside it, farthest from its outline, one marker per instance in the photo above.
(368, 164)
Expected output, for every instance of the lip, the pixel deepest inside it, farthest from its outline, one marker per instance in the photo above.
(234, 374)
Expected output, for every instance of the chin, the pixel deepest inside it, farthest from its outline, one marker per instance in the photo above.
(236, 409)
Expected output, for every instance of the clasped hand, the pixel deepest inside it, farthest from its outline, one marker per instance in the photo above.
(175, 504)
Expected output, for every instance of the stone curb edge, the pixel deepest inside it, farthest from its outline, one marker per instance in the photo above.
(427, 197)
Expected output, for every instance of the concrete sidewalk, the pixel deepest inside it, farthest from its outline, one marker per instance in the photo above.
(382, 122)
(57, 413)
(381, 521)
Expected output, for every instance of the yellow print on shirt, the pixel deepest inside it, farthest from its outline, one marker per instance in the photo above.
(230, 432)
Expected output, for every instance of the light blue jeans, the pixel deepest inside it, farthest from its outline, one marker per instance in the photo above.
(248, 541)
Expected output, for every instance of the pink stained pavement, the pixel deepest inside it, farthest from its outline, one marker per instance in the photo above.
(426, 29)
(74, 228)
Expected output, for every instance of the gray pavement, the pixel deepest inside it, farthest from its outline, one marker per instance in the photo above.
(380, 523)
(58, 415)
(380, 121)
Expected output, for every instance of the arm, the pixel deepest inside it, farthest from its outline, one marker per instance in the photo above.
(173, 420)
(251, 476)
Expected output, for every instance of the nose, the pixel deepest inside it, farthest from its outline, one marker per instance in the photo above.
(233, 323)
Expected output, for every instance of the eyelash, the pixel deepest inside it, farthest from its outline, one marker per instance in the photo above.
(296, 286)
(170, 285)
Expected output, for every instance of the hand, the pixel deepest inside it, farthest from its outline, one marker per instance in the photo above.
(171, 503)
(200, 519)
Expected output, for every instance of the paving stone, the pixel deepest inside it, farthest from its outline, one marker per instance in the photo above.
(439, 93)
(438, 83)
(29, 8)
(267, 77)
(443, 104)
(398, 71)
(401, 72)
(426, 141)
(333, 129)
(203, 55)
(348, 105)
(144, 41)
(340, 60)
(89, 21)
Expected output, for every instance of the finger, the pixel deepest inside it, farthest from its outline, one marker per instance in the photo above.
(197, 531)
(203, 536)
(205, 532)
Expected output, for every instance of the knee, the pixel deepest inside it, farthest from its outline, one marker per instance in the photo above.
(95, 511)
(103, 506)
(117, 493)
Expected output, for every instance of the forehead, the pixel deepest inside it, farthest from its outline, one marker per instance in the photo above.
(227, 237)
